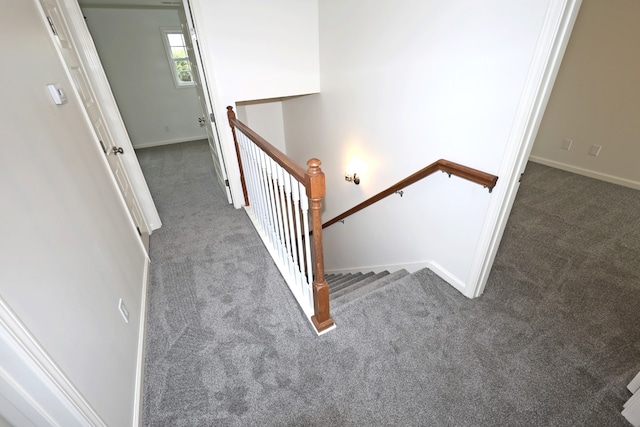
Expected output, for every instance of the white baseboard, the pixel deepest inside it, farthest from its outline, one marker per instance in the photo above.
(168, 142)
(591, 174)
(137, 404)
(33, 387)
(450, 278)
(411, 268)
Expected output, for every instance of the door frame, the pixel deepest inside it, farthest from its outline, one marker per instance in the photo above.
(552, 42)
(104, 96)
(227, 146)
(210, 115)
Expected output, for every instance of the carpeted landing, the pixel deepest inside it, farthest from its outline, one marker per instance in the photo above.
(552, 342)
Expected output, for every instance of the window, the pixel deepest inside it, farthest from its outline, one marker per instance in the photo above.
(178, 57)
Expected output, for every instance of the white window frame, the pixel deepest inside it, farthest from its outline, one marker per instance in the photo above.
(172, 62)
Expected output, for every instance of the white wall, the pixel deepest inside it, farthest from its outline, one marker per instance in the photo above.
(596, 97)
(266, 119)
(69, 249)
(256, 50)
(132, 52)
(404, 84)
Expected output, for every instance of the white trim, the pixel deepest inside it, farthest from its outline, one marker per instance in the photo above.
(586, 172)
(100, 84)
(631, 410)
(139, 390)
(41, 389)
(634, 385)
(193, 16)
(449, 278)
(169, 142)
(11, 413)
(554, 36)
(219, 109)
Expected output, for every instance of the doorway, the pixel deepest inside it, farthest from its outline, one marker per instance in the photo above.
(130, 40)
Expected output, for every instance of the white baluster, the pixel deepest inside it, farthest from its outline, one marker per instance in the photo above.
(304, 207)
(272, 187)
(279, 209)
(290, 227)
(257, 201)
(266, 182)
(282, 202)
(278, 206)
(295, 195)
(248, 167)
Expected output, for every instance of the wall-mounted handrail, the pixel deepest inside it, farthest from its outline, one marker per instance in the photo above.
(451, 168)
(275, 183)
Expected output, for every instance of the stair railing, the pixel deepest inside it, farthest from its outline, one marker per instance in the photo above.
(486, 180)
(278, 195)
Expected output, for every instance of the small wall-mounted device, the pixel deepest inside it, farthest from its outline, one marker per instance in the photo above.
(58, 95)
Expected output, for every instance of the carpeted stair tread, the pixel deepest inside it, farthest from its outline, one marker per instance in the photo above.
(352, 281)
(354, 294)
(365, 277)
(352, 285)
(333, 278)
(342, 278)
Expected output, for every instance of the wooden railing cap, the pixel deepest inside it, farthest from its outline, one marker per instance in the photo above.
(314, 166)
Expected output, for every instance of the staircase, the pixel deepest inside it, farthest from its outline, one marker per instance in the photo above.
(348, 287)
(284, 201)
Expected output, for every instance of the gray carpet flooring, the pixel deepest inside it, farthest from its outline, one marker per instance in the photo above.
(552, 342)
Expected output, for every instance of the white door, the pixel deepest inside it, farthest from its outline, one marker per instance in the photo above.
(81, 81)
(207, 119)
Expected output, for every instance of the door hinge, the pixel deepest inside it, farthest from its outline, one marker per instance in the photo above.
(53, 27)
(103, 147)
(520, 179)
(139, 232)
(226, 182)
(213, 118)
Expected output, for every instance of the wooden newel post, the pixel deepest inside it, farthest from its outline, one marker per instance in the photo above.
(231, 115)
(316, 192)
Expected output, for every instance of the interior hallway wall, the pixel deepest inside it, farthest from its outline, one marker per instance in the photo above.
(256, 50)
(266, 119)
(403, 85)
(596, 97)
(69, 250)
(129, 42)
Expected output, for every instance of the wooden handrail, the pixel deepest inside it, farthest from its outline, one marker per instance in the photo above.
(282, 159)
(451, 168)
